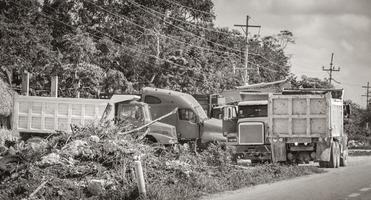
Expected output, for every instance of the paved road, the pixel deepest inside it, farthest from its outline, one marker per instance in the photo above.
(346, 183)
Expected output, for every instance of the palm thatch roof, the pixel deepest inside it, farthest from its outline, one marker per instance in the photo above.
(6, 99)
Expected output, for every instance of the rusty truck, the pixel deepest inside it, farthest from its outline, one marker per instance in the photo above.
(191, 120)
(295, 126)
(40, 116)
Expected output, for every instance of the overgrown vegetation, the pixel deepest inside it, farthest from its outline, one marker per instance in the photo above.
(97, 163)
(121, 46)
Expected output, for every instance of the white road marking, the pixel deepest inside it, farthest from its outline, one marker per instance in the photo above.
(365, 189)
(354, 195)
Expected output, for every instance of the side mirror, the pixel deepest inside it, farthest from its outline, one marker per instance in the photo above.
(347, 110)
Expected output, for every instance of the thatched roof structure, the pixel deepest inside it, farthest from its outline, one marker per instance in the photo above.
(6, 99)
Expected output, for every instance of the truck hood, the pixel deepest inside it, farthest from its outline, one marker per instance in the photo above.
(164, 129)
(212, 131)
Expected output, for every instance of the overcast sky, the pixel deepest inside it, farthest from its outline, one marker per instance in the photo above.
(320, 27)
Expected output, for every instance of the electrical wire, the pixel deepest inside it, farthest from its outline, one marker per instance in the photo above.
(178, 20)
(165, 36)
(120, 16)
(113, 38)
(200, 11)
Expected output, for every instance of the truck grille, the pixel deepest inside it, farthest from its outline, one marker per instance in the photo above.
(251, 133)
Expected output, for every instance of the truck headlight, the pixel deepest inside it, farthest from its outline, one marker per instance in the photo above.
(275, 140)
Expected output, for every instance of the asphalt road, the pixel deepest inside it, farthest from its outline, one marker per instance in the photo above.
(346, 183)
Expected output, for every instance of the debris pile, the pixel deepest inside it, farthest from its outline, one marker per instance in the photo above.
(97, 163)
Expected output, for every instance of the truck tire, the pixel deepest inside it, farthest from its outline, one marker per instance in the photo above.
(338, 155)
(332, 162)
(344, 158)
(334, 156)
(323, 164)
(149, 139)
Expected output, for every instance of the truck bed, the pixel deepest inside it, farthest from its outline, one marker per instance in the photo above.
(305, 115)
(47, 114)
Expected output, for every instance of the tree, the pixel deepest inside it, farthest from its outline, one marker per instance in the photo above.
(309, 82)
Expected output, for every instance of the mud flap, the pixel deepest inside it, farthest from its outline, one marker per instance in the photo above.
(323, 151)
(278, 152)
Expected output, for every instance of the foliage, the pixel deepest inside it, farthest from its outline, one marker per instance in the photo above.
(137, 43)
(310, 82)
(95, 162)
(355, 125)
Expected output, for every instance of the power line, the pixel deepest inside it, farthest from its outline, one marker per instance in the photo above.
(331, 68)
(148, 10)
(165, 36)
(204, 48)
(178, 20)
(200, 11)
(113, 38)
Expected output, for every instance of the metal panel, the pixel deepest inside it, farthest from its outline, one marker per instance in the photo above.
(251, 133)
(298, 115)
(46, 114)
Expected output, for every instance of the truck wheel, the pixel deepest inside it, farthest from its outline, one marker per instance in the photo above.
(149, 139)
(344, 158)
(338, 155)
(332, 163)
(323, 164)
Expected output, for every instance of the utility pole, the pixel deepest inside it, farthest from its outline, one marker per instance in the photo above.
(367, 95)
(367, 101)
(246, 26)
(332, 68)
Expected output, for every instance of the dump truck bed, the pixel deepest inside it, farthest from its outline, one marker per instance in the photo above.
(305, 115)
(47, 114)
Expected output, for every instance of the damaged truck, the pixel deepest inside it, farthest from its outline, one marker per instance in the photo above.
(295, 126)
(40, 116)
(190, 120)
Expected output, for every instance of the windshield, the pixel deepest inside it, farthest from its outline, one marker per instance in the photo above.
(253, 111)
(130, 112)
(200, 112)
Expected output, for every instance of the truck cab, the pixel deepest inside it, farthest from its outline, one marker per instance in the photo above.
(247, 129)
(191, 121)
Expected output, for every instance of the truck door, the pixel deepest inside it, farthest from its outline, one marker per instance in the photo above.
(187, 125)
(229, 119)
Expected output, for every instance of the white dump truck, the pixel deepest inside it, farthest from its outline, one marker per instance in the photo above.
(33, 115)
(295, 126)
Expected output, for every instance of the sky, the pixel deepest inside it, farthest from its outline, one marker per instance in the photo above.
(342, 27)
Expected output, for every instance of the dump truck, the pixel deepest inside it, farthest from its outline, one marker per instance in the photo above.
(190, 120)
(295, 126)
(40, 116)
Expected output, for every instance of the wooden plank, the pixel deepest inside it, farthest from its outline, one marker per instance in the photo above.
(54, 87)
(298, 116)
(43, 115)
(308, 117)
(290, 114)
(270, 115)
(25, 84)
(29, 115)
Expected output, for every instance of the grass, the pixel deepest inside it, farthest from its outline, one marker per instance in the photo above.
(169, 173)
(219, 174)
(359, 153)
(230, 178)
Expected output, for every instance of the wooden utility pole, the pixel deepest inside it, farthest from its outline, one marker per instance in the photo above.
(332, 68)
(367, 95)
(26, 83)
(246, 26)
